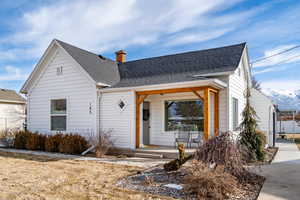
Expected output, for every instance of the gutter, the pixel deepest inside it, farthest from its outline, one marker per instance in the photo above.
(207, 82)
(15, 102)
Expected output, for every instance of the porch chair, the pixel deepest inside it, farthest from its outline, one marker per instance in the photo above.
(198, 140)
(182, 136)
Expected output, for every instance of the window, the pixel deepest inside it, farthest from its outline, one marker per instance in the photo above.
(235, 113)
(58, 115)
(59, 71)
(184, 113)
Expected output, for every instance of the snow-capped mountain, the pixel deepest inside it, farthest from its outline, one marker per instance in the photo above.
(285, 99)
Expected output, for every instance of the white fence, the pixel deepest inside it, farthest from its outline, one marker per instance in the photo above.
(289, 126)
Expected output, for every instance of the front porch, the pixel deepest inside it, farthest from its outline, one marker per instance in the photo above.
(155, 104)
(163, 151)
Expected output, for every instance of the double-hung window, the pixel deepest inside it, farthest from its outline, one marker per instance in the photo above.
(58, 114)
(184, 114)
(235, 113)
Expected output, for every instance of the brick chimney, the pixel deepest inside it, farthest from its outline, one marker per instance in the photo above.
(120, 56)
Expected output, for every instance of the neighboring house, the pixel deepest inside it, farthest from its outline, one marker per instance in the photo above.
(12, 110)
(266, 113)
(142, 101)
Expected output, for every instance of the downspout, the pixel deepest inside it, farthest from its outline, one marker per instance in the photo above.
(99, 96)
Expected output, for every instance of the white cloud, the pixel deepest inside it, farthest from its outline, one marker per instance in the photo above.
(288, 57)
(12, 74)
(109, 25)
(196, 37)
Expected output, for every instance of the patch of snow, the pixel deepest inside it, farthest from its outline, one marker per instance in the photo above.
(174, 186)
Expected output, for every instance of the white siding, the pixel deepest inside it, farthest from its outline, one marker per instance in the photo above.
(237, 86)
(223, 106)
(264, 109)
(119, 121)
(12, 116)
(73, 85)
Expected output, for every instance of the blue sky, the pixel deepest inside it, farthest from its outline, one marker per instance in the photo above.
(151, 28)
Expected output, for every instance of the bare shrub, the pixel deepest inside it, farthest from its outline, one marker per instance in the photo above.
(203, 182)
(35, 141)
(224, 151)
(21, 138)
(72, 144)
(102, 142)
(52, 142)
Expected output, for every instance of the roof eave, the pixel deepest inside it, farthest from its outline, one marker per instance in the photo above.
(9, 101)
(206, 82)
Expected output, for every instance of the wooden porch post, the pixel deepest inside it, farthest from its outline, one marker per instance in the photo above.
(206, 114)
(137, 121)
(139, 99)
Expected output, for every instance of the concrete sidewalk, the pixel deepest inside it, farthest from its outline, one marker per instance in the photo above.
(283, 175)
(130, 161)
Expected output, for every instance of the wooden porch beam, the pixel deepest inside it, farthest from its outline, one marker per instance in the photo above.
(213, 90)
(142, 98)
(174, 90)
(206, 114)
(198, 95)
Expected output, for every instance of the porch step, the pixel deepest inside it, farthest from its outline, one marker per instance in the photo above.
(148, 155)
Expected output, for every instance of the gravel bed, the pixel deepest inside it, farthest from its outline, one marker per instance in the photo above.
(153, 181)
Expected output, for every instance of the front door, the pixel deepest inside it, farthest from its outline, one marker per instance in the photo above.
(146, 123)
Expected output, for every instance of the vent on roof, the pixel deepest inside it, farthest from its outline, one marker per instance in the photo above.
(102, 57)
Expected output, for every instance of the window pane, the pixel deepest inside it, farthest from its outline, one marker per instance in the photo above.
(58, 106)
(58, 123)
(184, 114)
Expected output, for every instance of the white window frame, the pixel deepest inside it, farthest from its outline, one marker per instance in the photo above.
(53, 115)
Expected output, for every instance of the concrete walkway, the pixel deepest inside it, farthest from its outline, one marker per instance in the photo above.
(130, 161)
(283, 175)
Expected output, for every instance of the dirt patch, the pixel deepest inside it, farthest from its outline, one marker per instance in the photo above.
(42, 178)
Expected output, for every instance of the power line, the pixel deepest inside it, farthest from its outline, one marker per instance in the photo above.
(291, 58)
(264, 58)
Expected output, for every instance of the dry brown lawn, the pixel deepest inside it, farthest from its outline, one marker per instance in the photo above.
(42, 178)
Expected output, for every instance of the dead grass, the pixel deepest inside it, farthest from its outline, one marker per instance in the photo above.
(38, 177)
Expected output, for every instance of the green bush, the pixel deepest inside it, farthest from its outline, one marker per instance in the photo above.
(52, 142)
(36, 141)
(73, 144)
(21, 138)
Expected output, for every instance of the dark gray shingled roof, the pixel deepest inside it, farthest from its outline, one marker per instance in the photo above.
(101, 69)
(156, 70)
(179, 67)
(10, 96)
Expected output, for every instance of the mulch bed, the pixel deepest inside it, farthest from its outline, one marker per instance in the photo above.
(153, 181)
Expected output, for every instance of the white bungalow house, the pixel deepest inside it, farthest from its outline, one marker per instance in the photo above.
(12, 110)
(143, 102)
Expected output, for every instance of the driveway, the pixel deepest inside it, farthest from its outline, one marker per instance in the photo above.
(283, 175)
